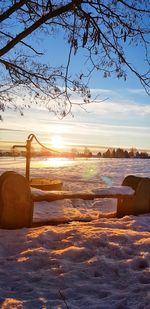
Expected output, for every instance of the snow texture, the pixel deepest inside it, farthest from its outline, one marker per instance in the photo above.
(101, 264)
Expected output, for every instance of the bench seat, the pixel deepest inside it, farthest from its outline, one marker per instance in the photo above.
(111, 192)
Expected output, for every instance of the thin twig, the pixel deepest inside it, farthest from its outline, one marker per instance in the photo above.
(63, 298)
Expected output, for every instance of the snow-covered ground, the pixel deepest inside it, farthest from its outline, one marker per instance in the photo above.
(102, 264)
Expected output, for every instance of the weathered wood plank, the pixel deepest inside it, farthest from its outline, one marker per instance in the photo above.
(112, 192)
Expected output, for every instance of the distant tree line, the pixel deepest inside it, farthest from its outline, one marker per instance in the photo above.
(121, 153)
(111, 153)
(85, 153)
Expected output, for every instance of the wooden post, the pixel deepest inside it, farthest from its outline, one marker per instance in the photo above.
(28, 157)
(28, 153)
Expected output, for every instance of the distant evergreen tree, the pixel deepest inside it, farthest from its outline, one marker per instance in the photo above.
(99, 154)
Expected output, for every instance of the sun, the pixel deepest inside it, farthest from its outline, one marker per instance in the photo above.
(57, 142)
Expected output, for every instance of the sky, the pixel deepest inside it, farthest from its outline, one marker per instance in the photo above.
(121, 121)
(119, 117)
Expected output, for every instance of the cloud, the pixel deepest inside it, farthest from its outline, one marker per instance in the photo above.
(125, 107)
(121, 120)
(113, 107)
(137, 91)
(113, 103)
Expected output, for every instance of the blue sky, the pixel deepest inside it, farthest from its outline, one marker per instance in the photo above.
(123, 120)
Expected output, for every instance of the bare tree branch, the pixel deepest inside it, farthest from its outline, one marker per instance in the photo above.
(12, 9)
(134, 8)
(36, 25)
(25, 44)
(103, 29)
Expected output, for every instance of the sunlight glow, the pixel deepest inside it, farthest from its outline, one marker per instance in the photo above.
(57, 142)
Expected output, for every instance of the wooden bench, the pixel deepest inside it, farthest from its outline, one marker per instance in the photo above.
(17, 198)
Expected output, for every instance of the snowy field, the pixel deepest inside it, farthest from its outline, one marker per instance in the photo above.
(101, 264)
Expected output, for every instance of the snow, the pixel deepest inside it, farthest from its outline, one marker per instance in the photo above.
(122, 190)
(101, 264)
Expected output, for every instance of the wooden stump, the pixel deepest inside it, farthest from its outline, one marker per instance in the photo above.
(142, 197)
(16, 206)
(131, 181)
(140, 202)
